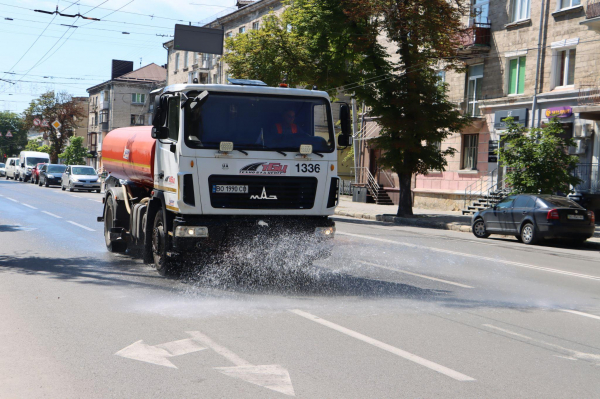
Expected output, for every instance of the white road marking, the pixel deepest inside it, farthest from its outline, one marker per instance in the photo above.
(10, 199)
(158, 354)
(381, 345)
(478, 257)
(572, 354)
(80, 225)
(29, 206)
(51, 214)
(415, 274)
(94, 200)
(580, 313)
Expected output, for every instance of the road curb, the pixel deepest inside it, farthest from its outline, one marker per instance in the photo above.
(414, 222)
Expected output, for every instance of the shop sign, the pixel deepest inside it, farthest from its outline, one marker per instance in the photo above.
(492, 148)
(519, 116)
(559, 112)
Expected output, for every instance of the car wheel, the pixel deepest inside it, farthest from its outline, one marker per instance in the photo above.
(163, 264)
(62, 186)
(479, 229)
(46, 183)
(112, 246)
(528, 234)
(71, 189)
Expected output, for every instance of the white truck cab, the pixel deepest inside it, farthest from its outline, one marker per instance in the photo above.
(27, 161)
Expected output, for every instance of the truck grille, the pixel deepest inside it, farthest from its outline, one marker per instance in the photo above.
(290, 192)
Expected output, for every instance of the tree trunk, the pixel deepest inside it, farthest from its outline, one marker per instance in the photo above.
(405, 204)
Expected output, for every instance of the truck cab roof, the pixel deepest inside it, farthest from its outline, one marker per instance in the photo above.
(276, 91)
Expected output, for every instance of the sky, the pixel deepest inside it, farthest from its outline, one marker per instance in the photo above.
(45, 52)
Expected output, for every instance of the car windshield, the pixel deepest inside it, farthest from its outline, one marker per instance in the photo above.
(56, 168)
(561, 202)
(83, 171)
(34, 161)
(260, 122)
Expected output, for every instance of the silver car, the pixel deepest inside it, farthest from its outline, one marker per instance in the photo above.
(80, 177)
(2, 169)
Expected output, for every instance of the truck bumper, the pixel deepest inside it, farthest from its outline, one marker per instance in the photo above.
(313, 233)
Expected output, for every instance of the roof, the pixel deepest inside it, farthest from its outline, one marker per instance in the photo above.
(150, 73)
(247, 89)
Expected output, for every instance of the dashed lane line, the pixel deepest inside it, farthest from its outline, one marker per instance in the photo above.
(10, 199)
(53, 215)
(415, 274)
(80, 225)
(389, 348)
(478, 257)
(29, 206)
(592, 316)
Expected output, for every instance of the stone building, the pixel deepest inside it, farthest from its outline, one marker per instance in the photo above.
(524, 61)
(124, 100)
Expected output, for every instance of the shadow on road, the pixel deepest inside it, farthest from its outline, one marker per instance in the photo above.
(9, 228)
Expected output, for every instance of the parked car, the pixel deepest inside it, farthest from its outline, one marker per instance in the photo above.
(2, 169)
(80, 177)
(35, 173)
(27, 161)
(531, 218)
(51, 174)
(11, 168)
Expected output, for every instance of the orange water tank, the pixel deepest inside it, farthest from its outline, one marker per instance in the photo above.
(128, 153)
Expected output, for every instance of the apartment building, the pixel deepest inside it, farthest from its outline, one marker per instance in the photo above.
(190, 67)
(529, 59)
(82, 125)
(122, 101)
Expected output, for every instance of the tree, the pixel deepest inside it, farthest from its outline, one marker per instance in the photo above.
(11, 146)
(342, 51)
(538, 160)
(55, 107)
(75, 153)
(32, 145)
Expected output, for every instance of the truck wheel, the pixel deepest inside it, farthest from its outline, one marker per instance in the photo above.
(164, 266)
(112, 246)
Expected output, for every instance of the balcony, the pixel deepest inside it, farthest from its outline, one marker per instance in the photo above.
(475, 39)
(592, 15)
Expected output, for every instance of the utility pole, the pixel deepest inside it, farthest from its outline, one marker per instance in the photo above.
(354, 135)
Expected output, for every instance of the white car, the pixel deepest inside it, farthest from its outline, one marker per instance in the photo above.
(11, 168)
(2, 169)
(27, 161)
(80, 177)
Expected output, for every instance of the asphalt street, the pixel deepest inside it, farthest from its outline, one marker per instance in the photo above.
(396, 312)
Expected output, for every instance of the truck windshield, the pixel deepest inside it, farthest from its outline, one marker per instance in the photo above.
(260, 122)
(34, 161)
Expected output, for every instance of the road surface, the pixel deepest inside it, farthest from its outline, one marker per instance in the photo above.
(395, 312)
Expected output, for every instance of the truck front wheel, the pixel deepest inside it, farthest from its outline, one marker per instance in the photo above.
(163, 264)
(112, 246)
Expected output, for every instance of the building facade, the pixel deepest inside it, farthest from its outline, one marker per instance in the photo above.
(531, 60)
(125, 100)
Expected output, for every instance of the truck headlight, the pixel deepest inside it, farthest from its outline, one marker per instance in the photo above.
(325, 231)
(191, 231)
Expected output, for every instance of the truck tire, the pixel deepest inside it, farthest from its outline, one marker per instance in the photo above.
(112, 246)
(163, 264)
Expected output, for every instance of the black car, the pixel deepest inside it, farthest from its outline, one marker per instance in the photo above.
(531, 217)
(51, 174)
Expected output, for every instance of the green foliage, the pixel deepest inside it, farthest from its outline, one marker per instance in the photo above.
(11, 146)
(44, 148)
(537, 159)
(32, 145)
(75, 153)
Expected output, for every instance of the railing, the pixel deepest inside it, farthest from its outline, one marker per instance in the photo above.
(593, 9)
(477, 35)
(589, 92)
(364, 177)
(388, 176)
(589, 174)
(346, 187)
(481, 186)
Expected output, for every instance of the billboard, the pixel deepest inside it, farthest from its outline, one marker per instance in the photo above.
(199, 40)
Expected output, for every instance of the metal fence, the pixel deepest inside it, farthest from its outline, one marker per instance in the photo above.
(346, 187)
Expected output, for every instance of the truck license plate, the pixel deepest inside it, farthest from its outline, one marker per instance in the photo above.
(575, 217)
(229, 189)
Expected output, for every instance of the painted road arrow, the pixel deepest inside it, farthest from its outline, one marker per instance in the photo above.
(272, 376)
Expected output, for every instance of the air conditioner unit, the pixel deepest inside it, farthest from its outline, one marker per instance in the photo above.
(583, 131)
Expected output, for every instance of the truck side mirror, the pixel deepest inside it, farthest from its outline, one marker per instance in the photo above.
(344, 140)
(22, 165)
(161, 106)
(345, 120)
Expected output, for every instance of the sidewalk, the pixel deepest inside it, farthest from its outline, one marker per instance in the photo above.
(433, 219)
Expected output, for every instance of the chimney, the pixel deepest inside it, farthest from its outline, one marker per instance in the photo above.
(120, 68)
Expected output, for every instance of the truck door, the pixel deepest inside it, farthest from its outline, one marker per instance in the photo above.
(165, 177)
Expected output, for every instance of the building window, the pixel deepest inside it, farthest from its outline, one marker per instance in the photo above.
(255, 25)
(104, 116)
(516, 76)
(228, 34)
(441, 77)
(564, 69)
(137, 120)
(470, 145)
(562, 4)
(289, 27)
(176, 61)
(474, 89)
(185, 59)
(242, 29)
(480, 12)
(520, 10)
(138, 98)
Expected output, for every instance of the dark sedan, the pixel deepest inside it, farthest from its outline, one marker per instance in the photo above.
(531, 218)
(51, 174)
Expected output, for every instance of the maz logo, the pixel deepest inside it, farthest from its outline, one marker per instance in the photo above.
(263, 196)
